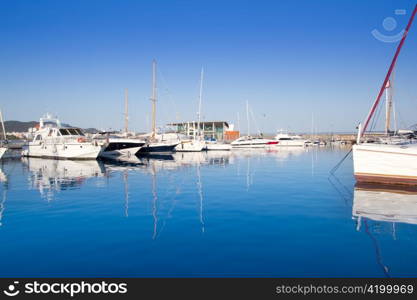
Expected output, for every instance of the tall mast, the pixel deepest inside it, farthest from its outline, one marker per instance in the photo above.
(200, 100)
(153, 99)
(388, 106)
(247, 115)
(387, 77)
(126, 111)
(2, 125)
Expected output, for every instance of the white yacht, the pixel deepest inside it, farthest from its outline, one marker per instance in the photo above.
(287, 140)
(53, 140)
(252, 142)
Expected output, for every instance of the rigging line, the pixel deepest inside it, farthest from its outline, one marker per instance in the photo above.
(332, 171)
(334, 185)
(168, 93)
(254, 120)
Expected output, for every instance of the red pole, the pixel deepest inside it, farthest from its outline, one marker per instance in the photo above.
(394, 60)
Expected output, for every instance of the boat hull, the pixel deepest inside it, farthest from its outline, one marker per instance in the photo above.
(121, 153)
(388, 164)
(219, 147)
(76, 151)
(190, 146)
(157, 148)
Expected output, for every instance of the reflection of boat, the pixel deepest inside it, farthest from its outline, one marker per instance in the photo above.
(383, 203)
(49, 174)
(53, 140)
(283, 153)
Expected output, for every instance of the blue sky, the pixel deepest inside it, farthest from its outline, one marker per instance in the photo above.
(289, 59)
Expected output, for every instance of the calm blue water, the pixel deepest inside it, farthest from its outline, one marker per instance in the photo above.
(246, 213)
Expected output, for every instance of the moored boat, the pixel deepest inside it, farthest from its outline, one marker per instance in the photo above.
(53, 140)
(394, 163)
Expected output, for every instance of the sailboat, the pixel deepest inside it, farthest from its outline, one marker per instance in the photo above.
(394, 163)
(120, 147)
(196, 143)
(156, 143)
(250, 141)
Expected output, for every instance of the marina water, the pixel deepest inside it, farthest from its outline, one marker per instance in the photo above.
(245, 213)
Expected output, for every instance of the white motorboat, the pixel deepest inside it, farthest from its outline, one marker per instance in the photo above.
(53, 140)
(252, 142)
(387, 163)
(287, 140)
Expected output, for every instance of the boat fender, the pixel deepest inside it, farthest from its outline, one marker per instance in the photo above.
(80, 140)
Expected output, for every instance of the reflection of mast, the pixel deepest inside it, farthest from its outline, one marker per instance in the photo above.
(126, 185)
(155, 199)
(153, 99)
(200, 193)
(248, 175)
(3, 201)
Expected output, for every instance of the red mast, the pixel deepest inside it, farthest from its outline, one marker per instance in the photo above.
(384, 84)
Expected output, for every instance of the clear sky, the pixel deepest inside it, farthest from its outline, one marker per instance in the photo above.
(289, 59)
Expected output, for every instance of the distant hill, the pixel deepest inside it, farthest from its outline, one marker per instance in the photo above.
(17, 126)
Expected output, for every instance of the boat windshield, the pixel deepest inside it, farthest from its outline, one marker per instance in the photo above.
(64, 131)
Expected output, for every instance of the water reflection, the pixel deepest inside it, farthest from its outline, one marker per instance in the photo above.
(385, 203)
(377, 205)
(50, 176)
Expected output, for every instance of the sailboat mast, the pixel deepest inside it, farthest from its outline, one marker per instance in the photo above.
(247, 115)
(388, 107)
(200, 101)
(126, 111)
(387, 77)
(153, 99)
(2, 125)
